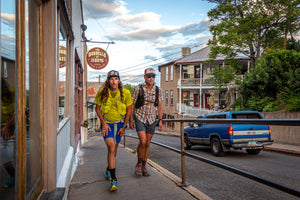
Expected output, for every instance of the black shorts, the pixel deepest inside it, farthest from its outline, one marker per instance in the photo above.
(148, 128)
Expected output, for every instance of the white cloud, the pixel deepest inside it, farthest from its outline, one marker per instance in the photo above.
(144, 34)
(8, 19)
(138, 21)
(95, 9)
(141, 38)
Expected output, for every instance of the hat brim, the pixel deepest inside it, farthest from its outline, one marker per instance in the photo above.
(150, 74)
(113, 76)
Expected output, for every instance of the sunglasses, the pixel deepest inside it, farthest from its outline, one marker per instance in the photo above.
(150, 76)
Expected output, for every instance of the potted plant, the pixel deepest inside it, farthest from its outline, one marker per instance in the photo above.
(85, 123)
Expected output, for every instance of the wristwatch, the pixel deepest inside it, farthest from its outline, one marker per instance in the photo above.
(159, 120)
(125, 126)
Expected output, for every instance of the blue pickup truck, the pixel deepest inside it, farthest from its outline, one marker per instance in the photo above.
(222, 137)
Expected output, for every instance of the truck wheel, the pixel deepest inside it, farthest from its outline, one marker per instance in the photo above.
(216, 147)
(187, 142)
(253, 151)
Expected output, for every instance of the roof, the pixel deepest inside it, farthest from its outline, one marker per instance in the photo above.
(201, 56)
(198, 56)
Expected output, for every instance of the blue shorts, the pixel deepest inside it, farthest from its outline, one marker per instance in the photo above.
(112, 133)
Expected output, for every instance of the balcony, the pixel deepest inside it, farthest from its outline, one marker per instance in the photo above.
(195, 83)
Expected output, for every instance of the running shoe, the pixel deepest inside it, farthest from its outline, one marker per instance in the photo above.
(107, 175)
(10, 182)
(145, 171)
(113, 185)
(138, 169)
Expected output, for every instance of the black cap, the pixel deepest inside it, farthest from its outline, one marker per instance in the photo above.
(113, 73)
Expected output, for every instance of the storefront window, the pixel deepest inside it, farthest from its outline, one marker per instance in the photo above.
(32, 77)
(62, 72)
(8, 95)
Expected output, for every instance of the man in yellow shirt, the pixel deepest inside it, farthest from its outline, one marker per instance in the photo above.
(113, 107)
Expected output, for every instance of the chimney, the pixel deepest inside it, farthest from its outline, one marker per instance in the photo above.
(186, 51)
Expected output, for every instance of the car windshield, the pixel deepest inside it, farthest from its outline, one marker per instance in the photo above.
(246, 116)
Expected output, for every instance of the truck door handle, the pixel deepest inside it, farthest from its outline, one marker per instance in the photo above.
(250, 128)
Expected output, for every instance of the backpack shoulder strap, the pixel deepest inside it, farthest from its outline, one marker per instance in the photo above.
(156, 95)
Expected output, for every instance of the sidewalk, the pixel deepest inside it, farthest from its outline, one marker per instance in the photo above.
(89, 182)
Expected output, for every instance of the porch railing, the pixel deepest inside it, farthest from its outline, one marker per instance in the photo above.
(195, 82)
(191, 111)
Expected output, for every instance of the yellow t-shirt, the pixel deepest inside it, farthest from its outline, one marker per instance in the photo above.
(114, 109)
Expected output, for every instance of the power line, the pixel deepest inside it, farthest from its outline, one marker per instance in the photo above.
(97, 22)
(131, 68)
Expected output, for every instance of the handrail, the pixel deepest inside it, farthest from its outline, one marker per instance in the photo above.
(231, 169)
(278, 122)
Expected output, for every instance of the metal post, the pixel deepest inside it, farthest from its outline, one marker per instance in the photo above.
(183, 182)
(124, 140)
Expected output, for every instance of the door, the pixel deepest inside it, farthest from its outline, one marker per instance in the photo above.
(196, 100)
(206, 101)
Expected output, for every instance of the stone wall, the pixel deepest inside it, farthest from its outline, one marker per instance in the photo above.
(284, 134)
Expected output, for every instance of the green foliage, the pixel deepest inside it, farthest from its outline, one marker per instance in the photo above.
(237, 105)
(293, 103)
(246, 27)
(292, 44)
(222, 75)
(129, 87)
(274, 83)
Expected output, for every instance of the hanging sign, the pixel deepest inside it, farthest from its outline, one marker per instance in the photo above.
(97, 58)
(62, 56)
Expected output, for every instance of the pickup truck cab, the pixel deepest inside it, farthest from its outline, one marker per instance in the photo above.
(222, 137)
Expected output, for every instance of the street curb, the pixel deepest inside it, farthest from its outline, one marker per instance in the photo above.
(190, 189)
(284, 151)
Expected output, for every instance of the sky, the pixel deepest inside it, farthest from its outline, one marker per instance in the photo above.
(145, 33)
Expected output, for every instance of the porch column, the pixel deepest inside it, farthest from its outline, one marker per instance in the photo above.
(200, 95)
(180, 66)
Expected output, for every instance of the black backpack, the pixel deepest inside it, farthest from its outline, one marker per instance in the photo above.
(140, 100)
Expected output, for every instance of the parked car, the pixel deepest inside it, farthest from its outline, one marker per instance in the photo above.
(222, 137)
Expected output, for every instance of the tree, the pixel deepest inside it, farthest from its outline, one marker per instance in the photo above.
(129, 87)
(247, 27)
(275, 80)
(222, 76)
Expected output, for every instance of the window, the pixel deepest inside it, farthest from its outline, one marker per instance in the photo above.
(186, 98)
(4, 69)
(62, 72)
(197, 72)
(8, 96)
(171, 73)
(167, 94)
(32, 86)
(185, 72)
(167, 73)
(223, 99)
(246, 116)
(171, 97)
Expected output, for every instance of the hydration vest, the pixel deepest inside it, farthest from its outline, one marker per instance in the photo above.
(141, 99)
